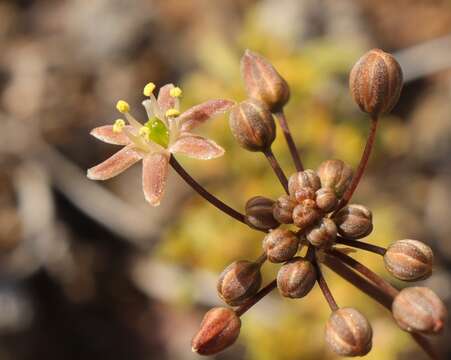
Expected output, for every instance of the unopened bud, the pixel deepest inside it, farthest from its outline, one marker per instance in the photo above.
(283, 209)
(259, 213)
(239, 281)
(348, 333)
(296, 278)
(304, 194)
(354, 221)
(376, 82)
(306, 214)
(307, 179)
(323, 234)
(219, 329)
(280, 245)
(252, 125)
(409, 260)
(263, 82)
(419, 309)
(335, 174)
(326, 199)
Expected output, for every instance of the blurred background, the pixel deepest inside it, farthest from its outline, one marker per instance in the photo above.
(89, 271)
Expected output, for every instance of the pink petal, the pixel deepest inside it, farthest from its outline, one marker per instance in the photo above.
(106, 134)
(165, 100)
(197, 147)
(200, 113)
(115, 164)
(155, 173)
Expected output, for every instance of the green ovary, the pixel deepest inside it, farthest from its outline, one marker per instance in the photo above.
(158, 133)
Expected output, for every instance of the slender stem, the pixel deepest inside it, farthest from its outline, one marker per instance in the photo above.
(324, 287)
(256, 298)
(377, 294)
(277, 169)
(261, 259)
(362, 245)
(204, 193)
(370, 275)
(362, 165)
(289, 139)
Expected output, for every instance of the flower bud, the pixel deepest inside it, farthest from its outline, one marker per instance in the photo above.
(335, 174)
(326, 199)
(306, 214)
(323, 234)
(409, 260)
(419, 309)
(306, 179)
(296, 278)
(348, 333)
(283, 209)
(376, 82)
(280, 245)
(219, 329)
(263, 82)
(354, 221)
(239, 281)
(259, 213)
(252, 125)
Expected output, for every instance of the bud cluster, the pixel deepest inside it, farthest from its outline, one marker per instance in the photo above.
(315, 213)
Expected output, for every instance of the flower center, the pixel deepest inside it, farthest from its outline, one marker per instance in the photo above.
(158, 132)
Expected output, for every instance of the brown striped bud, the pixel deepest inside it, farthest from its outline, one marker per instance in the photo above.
(354, 221)
(348, 333)
(296, 278)
(335, 174)
(239, 281)
(326, 199)
(219, 329)
(259, 213)
(323, 234)
(283, 209)
(376, 82)
(303, 180)
(306, 214)
(409, 260)
(280, 245)
(252, 125)
(419, 309)
(263, 82)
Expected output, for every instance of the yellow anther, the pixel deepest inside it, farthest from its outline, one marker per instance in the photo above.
(175, 92)
(118, 125)
(148, 89)
(172, 113)
(122, 106)
(144, 131)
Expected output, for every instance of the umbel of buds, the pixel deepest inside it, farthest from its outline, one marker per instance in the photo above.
(419, 309)
(335, 174)
(354, 221)
(218, 330)
(259, 213)
(409, 260)
(348, 333)
(263, 82)
(252, 125)
(239, 281)
(280, 245)
(296, 278)
(376, 82)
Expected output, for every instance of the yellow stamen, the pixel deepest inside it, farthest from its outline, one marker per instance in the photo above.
(172, 113)
(123, 106)
(175, 92)
(144, 132)
(148, 89)
(118, 125)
